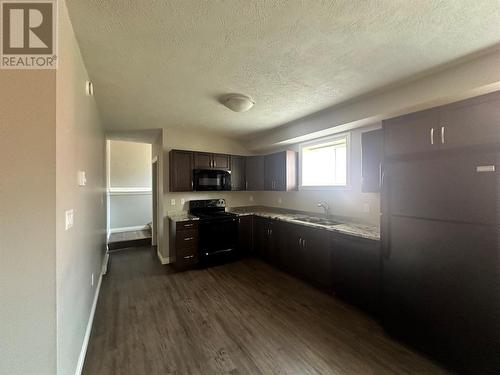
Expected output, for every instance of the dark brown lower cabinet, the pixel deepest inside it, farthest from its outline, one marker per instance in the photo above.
(184, 244)
(441, 291)
(356, 270)
(348, 265)
(305, 253)
(245, 234)
(267, 236)
(260, 236)
(292, 254)
(316, 244)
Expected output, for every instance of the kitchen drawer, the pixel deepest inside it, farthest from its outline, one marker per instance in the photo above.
(187, 239)
(190, 250)
(187, 225)
(186, 260)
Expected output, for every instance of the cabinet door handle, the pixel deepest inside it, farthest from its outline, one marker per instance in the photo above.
(300, 241)
(432, 136)
(215, 163)
(270, 232)
(246, 185)
(442, 135)
(189, 257)
(188, 238)
(188, 225)
(304, 243)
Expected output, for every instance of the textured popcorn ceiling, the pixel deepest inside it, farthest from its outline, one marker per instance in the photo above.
(160, 63)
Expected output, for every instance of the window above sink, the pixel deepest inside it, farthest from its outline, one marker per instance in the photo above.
(324, 163)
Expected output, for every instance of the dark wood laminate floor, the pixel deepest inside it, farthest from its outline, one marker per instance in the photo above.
(239, 318)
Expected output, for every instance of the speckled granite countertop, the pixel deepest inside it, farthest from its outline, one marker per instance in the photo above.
(371, 232)
(345, 226)
(182, 216)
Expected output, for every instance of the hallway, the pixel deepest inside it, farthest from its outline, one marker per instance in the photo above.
(240, 318)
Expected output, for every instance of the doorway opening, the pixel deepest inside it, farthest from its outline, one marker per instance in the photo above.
(130, 194)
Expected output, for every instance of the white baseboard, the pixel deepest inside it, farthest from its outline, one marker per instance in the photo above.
(163, 260)
(83, 352)
(128, 229)
(105, 264)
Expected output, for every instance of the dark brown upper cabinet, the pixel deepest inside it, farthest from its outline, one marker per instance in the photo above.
(221, 161)
(254, 170)
(372, 153)
(205, 160)
(412, 133)
(470, 122)
(181, 167)
(202, 160)
(238, 180)
(276, 172)
(280, 171)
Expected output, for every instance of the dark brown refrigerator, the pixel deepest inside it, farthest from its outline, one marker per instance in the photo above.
(440, 236)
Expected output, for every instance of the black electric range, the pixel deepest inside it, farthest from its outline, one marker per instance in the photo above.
(217, 230)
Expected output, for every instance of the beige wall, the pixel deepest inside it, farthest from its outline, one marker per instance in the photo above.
(27, 226)
(130, 164)
(49, 131)
(80, 250)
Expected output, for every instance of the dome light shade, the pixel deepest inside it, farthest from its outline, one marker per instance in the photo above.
(238, 102)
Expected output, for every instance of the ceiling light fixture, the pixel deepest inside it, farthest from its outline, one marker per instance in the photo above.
(238, 102)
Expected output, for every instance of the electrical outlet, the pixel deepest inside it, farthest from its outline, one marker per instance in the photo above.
(172, 202)
(92, 280)
(251, 198)
(366, 207)
(69, 219)
(182, 201)
(280, 200)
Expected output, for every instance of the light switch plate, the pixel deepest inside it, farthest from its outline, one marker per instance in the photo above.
(251, 198)
(82, 179)
(69, 219)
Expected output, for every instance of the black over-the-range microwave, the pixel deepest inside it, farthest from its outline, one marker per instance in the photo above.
(211, 180)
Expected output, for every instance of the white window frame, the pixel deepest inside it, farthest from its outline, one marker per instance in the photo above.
(319, 141)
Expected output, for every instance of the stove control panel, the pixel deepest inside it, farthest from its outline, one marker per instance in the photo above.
(207, 203)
